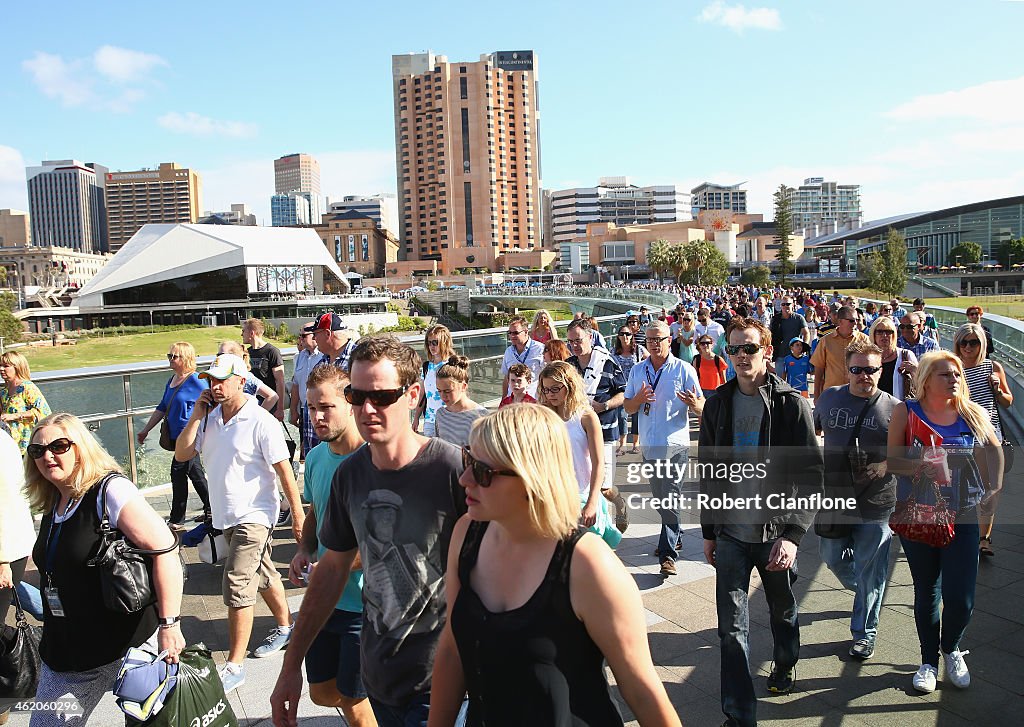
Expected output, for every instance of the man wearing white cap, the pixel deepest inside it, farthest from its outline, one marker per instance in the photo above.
(245, 453)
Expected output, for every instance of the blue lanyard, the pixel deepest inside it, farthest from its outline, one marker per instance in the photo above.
(526, 353)
(53, 536)
(647, 373)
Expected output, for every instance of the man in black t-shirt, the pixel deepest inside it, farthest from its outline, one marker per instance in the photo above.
(393, 502)
(266, 361)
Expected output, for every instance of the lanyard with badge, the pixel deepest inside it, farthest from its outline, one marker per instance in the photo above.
(49, 590)
(526, 353)
(654, 386)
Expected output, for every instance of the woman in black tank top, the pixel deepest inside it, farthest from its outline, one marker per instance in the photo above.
(535, 605)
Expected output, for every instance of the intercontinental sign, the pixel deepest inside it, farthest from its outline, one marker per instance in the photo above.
(514, 60)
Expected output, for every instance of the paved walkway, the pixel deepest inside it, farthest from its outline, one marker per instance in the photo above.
(831, 689)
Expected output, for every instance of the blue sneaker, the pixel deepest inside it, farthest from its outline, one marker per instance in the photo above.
(275, 641)
(230, 678)
(284, 517)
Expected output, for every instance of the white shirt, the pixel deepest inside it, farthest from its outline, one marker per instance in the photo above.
(532, 356)
(304, 361)
(713, 329)
(239, 457)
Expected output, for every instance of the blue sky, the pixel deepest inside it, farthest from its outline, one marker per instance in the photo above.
(922, 102)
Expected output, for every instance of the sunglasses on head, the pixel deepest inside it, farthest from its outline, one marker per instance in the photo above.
(57, 446)
(379, 397)
(748, 348)
(869, 370)
(483, 473)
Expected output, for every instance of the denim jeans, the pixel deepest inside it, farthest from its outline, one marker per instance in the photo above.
(861, 563)
(413, 714)
(181, 473)
(661, 488)
(947, 575)
(733, 562)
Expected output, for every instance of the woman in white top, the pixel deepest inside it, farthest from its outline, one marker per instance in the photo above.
(898, 364)
(456, 417)
(811, 316)
(561, 390)
(439, 348)
(17, 533)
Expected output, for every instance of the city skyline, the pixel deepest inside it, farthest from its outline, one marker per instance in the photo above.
(765, 93)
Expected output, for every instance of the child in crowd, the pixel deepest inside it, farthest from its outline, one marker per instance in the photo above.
(519, 378)
(797, 365)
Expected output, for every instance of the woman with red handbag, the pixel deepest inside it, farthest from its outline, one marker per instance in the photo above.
(947, 456)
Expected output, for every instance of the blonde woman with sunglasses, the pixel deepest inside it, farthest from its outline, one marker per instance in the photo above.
(566, 607)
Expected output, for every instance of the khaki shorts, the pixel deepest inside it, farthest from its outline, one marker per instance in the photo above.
(248, 569)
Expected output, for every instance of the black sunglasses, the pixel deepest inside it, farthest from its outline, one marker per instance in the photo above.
(379, 398)
(748, 348)
(625, 334)
(869, 370)
(57, 446)
(173, 356)
(483, 473)
(969, 343)
(908, 326)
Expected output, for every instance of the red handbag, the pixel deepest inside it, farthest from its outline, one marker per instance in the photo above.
(929, 524)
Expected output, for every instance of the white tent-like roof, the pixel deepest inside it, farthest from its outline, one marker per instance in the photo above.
(163, 252)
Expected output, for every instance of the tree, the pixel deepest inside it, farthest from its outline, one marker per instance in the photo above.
(889, 265)
(759, 276)
(705, 264)
(783, 231)
(1011, 253)
(966, 253)
(657, 257)
(11, 329)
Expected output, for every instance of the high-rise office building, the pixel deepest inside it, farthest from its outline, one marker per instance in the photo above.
(300, 173)
(167, 194)
(288, 210)
(381, 208)
(824, 205)
(467, 152)
(728, 198)
(66, 205)
(614, 199)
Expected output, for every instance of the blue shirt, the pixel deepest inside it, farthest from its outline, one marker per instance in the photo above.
(795, 370)
(667, 424)
(321, 463)
(924, 345)
(177, 403)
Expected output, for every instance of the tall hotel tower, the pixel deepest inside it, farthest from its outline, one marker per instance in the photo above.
(467, 152)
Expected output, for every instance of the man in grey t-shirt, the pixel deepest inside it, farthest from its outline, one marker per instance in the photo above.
(855, 420)
(395, 502)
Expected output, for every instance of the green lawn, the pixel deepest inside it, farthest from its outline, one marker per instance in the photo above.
(109, 349)
(1003, 305)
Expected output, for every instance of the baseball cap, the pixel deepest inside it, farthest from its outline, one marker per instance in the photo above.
(330, 322)
(310, 328)
(225, 366)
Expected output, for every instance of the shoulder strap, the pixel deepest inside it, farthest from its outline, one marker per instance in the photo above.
(860, 419)
(102, 498)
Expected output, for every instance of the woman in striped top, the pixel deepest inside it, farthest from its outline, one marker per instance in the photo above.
(986, 381)
(453, 421)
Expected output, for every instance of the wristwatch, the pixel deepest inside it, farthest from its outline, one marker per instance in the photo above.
(166, 623)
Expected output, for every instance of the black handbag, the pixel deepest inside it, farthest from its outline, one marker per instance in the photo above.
(125, 571)
(19, 656)
(827, 523)
(1006, 445)
(166, 442)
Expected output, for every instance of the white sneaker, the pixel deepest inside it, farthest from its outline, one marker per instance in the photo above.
(277, 640)
(924, 679)
(956, 669)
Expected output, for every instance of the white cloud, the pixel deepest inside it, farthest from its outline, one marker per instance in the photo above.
(994, 101)
(112, 79)
(199, 125)
(13, 192)
(122, 65)
(66, 81)
(739, 17)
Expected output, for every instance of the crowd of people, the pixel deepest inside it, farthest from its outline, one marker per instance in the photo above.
(419, 497)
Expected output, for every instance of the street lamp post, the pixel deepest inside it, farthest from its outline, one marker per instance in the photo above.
(625, 269)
